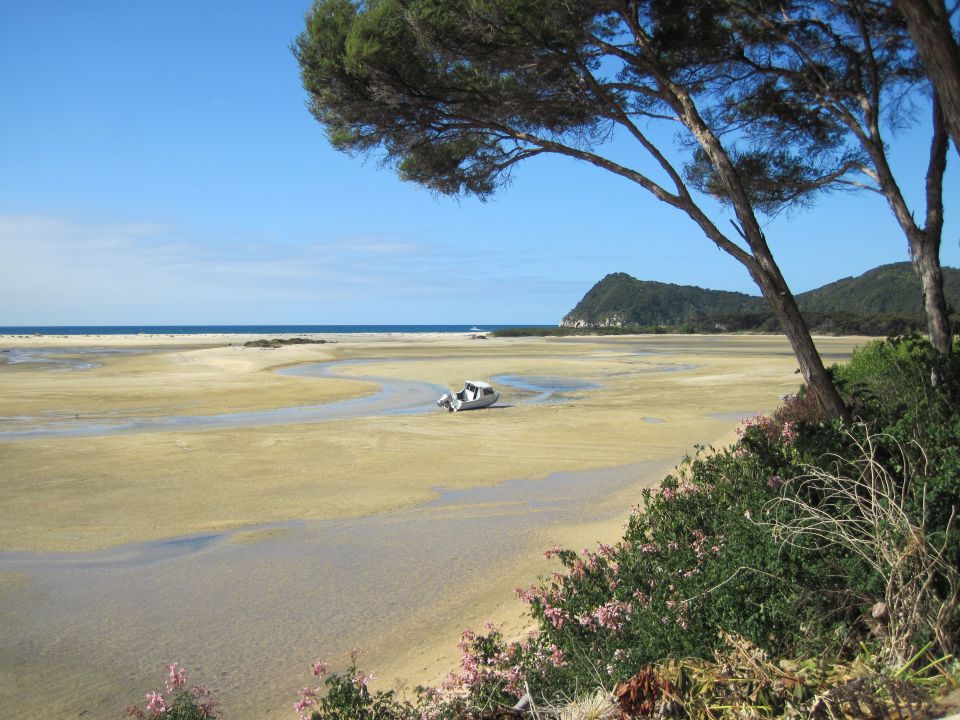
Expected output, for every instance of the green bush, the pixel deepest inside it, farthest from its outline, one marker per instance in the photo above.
(348, 697)
(179, 702)
(697, 558)
(909, 395)
(700, 557)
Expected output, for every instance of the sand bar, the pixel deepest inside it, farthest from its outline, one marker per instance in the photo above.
(391, 507)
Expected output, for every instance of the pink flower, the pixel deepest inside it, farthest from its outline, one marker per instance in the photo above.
(605, 551)
(155, 703)
(321, 668)
(355, 653)
(789, 432)
(307, 700)
(466, 640)
(176, 677)
(612, 613)
(361, 679)
(527, 596)
(555, 616)
(552, 552)
(587, 621)
(302, 706)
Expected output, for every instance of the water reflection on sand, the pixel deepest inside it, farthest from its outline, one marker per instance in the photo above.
(277, 597)
(392, 397)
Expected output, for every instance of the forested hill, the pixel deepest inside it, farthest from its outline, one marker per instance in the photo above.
(621, 300)
(891, 288)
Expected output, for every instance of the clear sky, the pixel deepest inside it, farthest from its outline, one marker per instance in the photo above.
(158, 166)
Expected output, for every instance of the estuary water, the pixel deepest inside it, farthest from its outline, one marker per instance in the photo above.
(392, 397)
(95, 629)
(92, 631)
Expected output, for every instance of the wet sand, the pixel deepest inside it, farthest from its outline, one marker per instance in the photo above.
(392, 532)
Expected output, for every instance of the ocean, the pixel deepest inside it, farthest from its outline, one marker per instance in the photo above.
(246, 329)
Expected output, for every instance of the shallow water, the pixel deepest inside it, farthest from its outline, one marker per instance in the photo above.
(544, 388)
(95, 629)
(394, 397)
(60, 359)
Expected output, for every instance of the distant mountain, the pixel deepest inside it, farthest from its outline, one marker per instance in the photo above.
(621, 300)
(887, 289)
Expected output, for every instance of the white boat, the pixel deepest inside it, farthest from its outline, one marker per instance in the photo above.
(475, 394)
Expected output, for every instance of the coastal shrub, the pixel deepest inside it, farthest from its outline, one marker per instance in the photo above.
(908, 395)
(701, 555)
(697, 558)
(346, 696)
(742, 681)
(864, 510)
(179, 702)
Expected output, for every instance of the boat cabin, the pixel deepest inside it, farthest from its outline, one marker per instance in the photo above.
(474, 390)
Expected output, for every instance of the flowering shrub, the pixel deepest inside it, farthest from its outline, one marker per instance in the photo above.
(347, 696)
(178, 702)
(699, 558)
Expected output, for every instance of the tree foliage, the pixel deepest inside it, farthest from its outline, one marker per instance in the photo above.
(830, 79)
(455, 93)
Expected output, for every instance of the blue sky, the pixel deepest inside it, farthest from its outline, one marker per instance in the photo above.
(159, 167)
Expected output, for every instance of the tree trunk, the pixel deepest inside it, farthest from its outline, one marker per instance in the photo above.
(929, 26)
(925, 244)
(761, 265)
(785, 309)
(926, 262)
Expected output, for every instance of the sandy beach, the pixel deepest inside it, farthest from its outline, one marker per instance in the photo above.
(416, 523)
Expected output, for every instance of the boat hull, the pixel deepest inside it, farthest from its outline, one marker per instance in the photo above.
(481, 402)
(451, 402)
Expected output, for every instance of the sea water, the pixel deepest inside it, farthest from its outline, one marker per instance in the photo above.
(247, 329)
